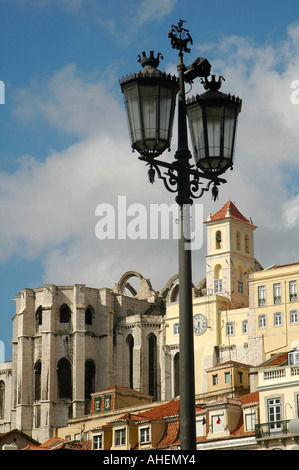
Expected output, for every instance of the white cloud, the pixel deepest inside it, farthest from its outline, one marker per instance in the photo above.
(49, 207)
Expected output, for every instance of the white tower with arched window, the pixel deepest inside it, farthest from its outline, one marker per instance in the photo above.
(230, 254)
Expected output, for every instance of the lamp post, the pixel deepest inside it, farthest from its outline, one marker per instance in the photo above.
(150, 97)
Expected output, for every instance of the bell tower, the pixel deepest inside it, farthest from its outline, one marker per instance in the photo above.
(230, 254)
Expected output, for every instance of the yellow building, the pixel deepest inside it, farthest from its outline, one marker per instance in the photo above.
(274, 309)
(220, 303)
(278, 386)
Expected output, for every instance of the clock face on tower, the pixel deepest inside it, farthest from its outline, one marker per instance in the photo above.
(199, 324)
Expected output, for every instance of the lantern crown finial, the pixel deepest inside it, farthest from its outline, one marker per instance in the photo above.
(151, 61)
(213, 84)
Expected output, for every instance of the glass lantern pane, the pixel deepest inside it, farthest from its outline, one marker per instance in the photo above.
(149, 98)
(133, 111)
(165, 113)
(229, 131)
(197, 132)
(214, 129)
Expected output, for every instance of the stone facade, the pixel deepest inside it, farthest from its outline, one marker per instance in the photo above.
(70, 341)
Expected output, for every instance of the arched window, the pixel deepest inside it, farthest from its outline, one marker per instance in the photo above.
(217, 278)
(37, 380)
(246, 243)
(88, 316)
(130, 345)
(64, 376)
(176, 364)
(2, 399)
(218, 239)
(238, 237)
(64, 314)
(39, 317)
(152, 365)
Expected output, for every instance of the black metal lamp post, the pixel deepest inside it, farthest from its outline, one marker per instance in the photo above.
(150, 97)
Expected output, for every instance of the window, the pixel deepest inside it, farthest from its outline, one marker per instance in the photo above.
(97, 404)
(176, 329)
(130, 352)
(152, 366)
(277, 319)
(218, 286)
(217, 423)
(144, 435)
(217, 278)
(218, 239)
(262, 321)
(227, 377)
(65, 314)
(261, 296)
(293, 316)
(238, 241)
(274, 414)
(215, 379)
(240, 376)
(120, 437)
(97, 442)
(90, 371)
(245, 326)
(240, 287)
(107, 402)
(230, 329)
(293, 291)
(88, 316)
(37, 380)
(250, 421)
(39, 317)
(277, 293)
(246, 244)
(64, 373)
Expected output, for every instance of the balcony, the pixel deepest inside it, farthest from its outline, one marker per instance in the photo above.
(279, 375)
(278, 430)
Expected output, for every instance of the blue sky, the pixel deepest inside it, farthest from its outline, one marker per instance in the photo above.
(64, 146)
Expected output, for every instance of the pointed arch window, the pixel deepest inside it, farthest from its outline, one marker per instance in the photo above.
(130, 345)
(152, 365)
(88, 316)
(90, 372)
(39, 317)
(64, 375)
(37, 380)
(64, 314)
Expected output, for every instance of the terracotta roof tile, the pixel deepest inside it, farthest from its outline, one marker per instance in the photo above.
(167, 410)
(170, 436)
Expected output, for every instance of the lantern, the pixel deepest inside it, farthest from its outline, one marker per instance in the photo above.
(150, 97)
(213, 119)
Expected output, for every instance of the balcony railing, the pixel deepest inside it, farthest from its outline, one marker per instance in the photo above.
(272, 429)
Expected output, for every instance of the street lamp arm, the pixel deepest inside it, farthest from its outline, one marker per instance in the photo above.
(171, 177)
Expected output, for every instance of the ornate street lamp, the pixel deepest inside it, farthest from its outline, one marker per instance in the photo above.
(150, 97)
